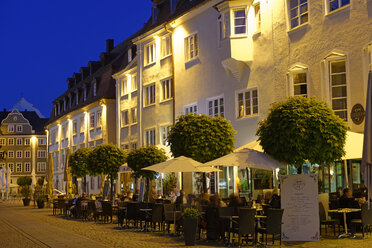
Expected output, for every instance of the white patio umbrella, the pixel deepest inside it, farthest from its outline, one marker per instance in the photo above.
(246, 157)
(180, 164)
(254, 145)
(367, 145)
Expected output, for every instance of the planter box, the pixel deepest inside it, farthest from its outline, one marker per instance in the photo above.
(26, 201)
(189, 230)
(40, 203)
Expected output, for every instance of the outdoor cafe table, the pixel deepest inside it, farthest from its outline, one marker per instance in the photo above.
(344, 211)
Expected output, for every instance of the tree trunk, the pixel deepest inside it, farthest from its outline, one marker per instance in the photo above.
(204, 183)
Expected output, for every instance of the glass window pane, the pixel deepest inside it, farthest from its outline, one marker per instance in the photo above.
(338, 104)
(333, 5)
(293, 3)
(239, 30)
(293, 13)
(239, 13)
(338, 66)
(239, 22)
(341, 114)
(303, 1)
(344, 2)
(304, 18)
(339, 79)
(303, 8)
(339, 91)
(294, 23)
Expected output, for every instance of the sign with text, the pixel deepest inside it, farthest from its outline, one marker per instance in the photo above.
(299, 199)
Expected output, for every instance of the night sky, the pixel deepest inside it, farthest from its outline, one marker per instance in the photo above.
(43, 42)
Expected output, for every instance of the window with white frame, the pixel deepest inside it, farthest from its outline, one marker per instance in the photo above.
(19, 141)
(191, 47)
(41, 141)
(19, 128)
(336, 4)
(41, 166)
(124, 86)
(82, 124)
(124, 118)
(166, 89)
(2, 142)
(298, 12)
(64, 130)
(149, 137)
(77, 97)
(166, 46)
(338, 86)
(11, 128)
(240, 21)
(247, 102)
(74, 127)
(257, 17)
(216, 107)
(150, 55)
(164, 130)
(134, 146)
(149, 94)
(19, 154)
(133, 82)
(10, 154)
(85, 94)
(27, 141)
(130, 56)
(11, 142)
(41, 154)
(27, 154)
(19, 167)
(99, 119)
(191, 109)
(27, 167)
(133, 115)
(11, 167)
(91, 121)
(94, 89)
(298, 82)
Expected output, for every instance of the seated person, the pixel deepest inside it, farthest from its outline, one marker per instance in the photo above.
(348, 201)
(74, 203)
(275, 200)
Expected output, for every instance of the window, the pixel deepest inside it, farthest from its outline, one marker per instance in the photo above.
(166, 46)
(164, 130)
(19, 141)
(216, 107)
(2, 142)
(82, 124)
(11, 128)
(41, 166)
(133, 114)
(77, 97)
(41, 141)
(10, 154)
(125, 146)
(11, 142)
(191, 109)
(257, 17)
(19, 167)
(74, 127)
(94, 89)
(338, 90)
(130, 56)
(27, 154)
(134, 146)
(191, 47)
(19, 154)
(11, 167)
(240, 23)
(150, 53)
(91, 121)
(298, 82)
(124, 118)
(133, 82)
(298, 12)
(41, 154)
(2, 165)
(150, 137)
(124, 86)
(150, 95)
(64, 131)
(27, 167)
(247, 103)
(27, 141)
(85, 94)
(336, 4)
(19, 128)
(99, 119)
(166, 89)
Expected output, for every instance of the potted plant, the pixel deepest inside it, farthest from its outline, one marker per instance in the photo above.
(190, 224)
(39, 194)
(24, 183)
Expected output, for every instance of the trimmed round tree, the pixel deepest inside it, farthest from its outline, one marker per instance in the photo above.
(302, 129)
(107, 159)
(78, 162)
(201, 138)
(143, 157)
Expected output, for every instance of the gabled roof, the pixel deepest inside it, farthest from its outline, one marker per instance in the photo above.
(36, 122)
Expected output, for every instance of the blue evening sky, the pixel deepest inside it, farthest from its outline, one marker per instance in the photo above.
(43, 42)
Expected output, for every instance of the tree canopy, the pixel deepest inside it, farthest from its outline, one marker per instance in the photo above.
(143, 157)
(24, 181)
(201, 137)
(300, 129)
(79, 162)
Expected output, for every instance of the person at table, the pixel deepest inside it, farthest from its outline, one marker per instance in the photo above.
(348, 201)
(135, 195)
(268, 197)
(181, 199)
(275, 199)
(216, 201)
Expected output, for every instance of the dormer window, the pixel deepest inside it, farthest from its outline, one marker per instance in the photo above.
(130, 55)
(155, 14)
(77, 98)
(240, 23)
(94, 89)
(85, 94)
(64, 105)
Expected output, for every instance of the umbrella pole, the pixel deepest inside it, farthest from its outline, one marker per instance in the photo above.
(346, 174)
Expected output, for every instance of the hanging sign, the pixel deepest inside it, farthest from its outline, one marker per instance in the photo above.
(357, 114)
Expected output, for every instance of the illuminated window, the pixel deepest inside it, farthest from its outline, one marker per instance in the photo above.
(41, 141)
(338, 89)
(19, 128)
(27, 141)
(298, 12)
(191, 47)
(10, 154)
(41, 154)
(133, 114)
(191, 109)
(298, 81)
(27, 154)
(257, 17)
(164, 130)
(19, 154)
(166, 46)
(11, 128)
(2, 142)
(240, 21)
(124, 86)
(336, 4)
(11, 167)
(124, 118)
(150, 54)
(82, 124)
(166, 89)
(133, 82)
(74, 127)
(130, 56)
(247, 103)
(216, 107)
(11, 142)
(27, 167)
(149, 95)
(99, 119)
(19, 141)
(19, 167)
(41, 166)
(91, 121)
(150, 137)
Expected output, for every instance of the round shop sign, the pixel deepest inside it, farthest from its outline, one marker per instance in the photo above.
(358, 114)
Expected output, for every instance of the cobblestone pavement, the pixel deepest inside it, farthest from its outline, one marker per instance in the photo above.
(31, 227)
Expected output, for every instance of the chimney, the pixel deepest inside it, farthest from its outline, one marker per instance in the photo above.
(84, 71)
(109, 45)
(70, 82)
